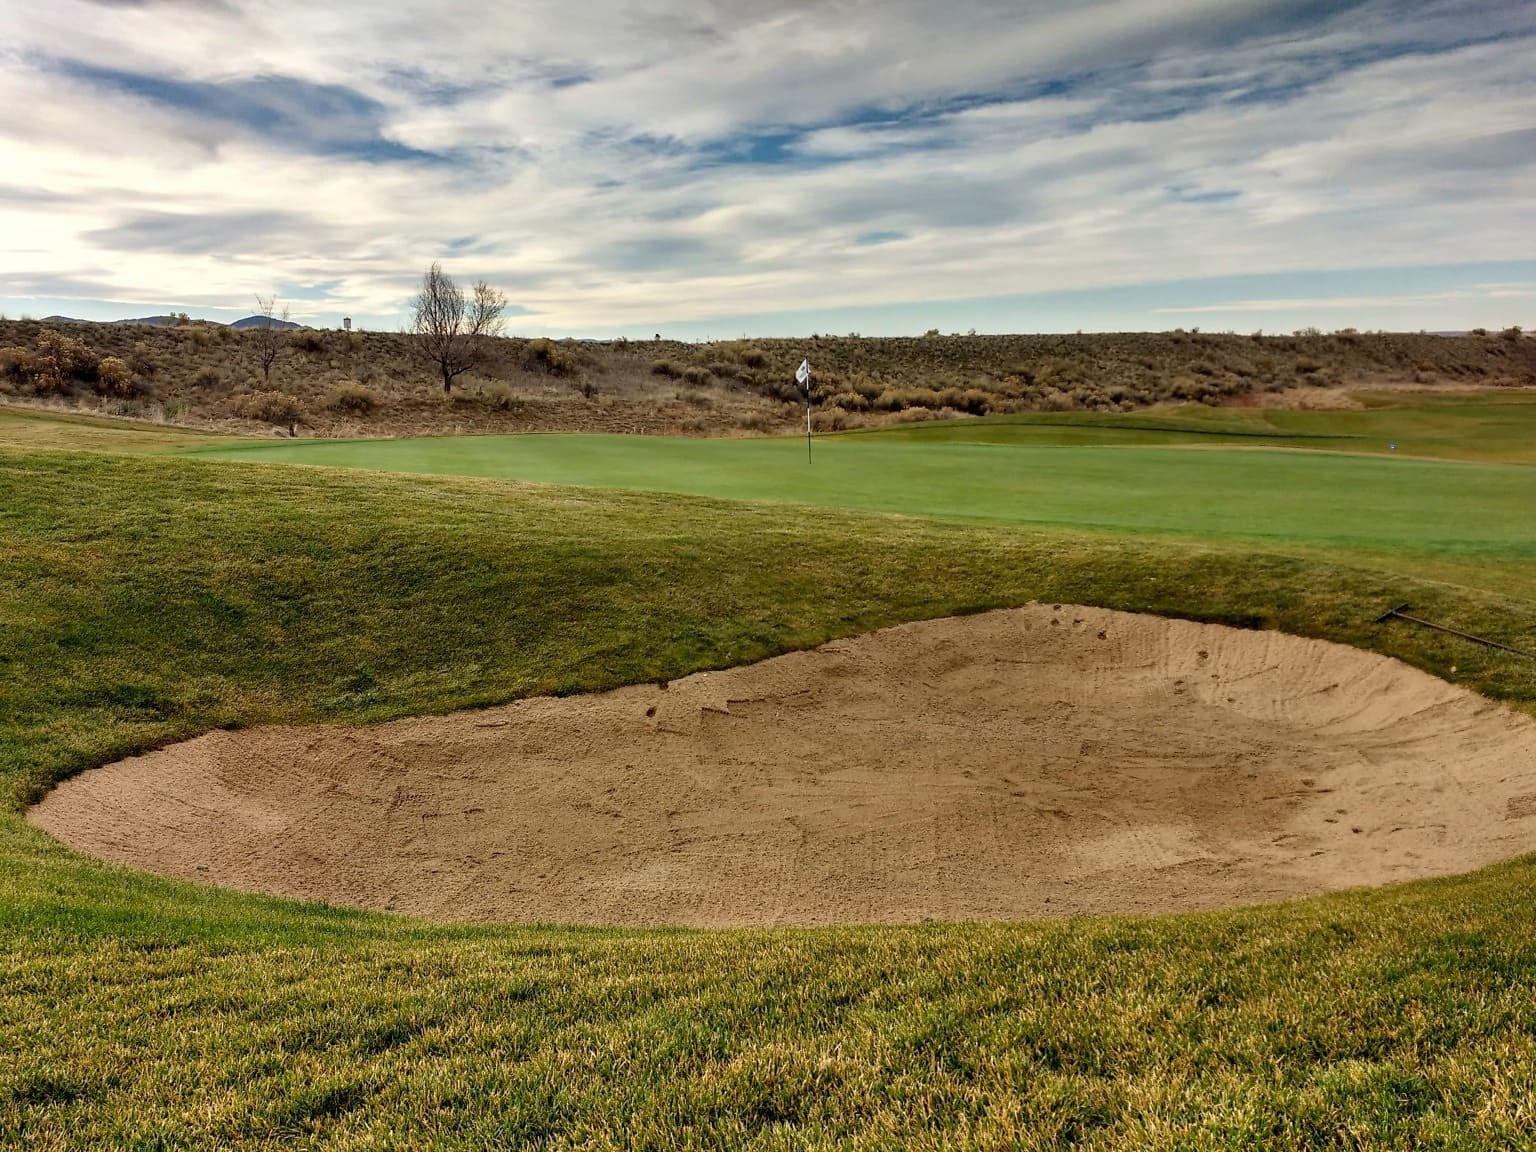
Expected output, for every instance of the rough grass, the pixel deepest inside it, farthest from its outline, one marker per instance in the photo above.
(32, 429)
(143, 598)
(145, 1014)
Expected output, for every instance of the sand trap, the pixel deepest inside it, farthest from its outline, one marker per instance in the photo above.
(1037, 762)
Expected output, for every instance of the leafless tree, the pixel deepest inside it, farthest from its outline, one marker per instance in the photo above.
(268, 341)
(451, 332)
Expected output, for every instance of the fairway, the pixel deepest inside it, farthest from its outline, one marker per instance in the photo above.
(1470, 522)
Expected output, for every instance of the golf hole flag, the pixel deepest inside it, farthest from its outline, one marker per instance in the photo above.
(803, 378)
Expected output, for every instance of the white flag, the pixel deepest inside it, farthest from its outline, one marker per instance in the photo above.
(803, 373)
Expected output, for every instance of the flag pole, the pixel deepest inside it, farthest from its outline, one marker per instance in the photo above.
(803, 378)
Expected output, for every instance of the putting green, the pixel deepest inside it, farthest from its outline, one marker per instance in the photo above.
(1398, 512)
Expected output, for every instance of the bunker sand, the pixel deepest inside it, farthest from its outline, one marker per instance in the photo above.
(1043, 761)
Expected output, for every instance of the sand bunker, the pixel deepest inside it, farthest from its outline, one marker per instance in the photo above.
(1036, 762)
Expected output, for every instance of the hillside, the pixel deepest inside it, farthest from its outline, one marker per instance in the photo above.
(370, 383)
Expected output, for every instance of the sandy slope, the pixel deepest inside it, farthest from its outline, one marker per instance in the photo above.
(1040, 761)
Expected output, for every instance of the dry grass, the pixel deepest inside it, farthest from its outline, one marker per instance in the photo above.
(370, 384)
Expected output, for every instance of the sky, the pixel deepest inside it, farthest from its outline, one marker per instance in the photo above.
(712, 170)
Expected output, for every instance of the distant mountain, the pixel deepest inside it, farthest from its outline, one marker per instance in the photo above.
(171, 320)
(266, 322)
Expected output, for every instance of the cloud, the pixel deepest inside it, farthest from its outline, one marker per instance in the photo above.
(1359, 303)
(204, 233)
(327, 119)
(622, 166)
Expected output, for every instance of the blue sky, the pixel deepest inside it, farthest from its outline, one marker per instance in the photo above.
(717, 169)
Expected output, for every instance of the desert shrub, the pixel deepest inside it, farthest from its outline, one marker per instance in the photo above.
(308, 340)
(142, 360)
(671, 369)
(830, 420)
(696, 376)
(972, 401)
(1306, 366)
(723, 369)
(15, 362)
(547, 356)
(1479, 332)
(500, 398)
(587, 388)
(1511, 333)
(114, 377)
(902, 399)
(850, 401)
(277, 408)
(207, 378)
(351, 398)
(741, 352)
(58, 362)
(758, 422)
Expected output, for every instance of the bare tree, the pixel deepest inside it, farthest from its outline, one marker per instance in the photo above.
(268, 341)
(451, 331)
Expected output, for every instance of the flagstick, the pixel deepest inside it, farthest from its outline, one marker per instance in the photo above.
(803, 378)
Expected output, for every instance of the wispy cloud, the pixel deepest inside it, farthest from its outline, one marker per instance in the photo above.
(619, 166)
(1478, 293)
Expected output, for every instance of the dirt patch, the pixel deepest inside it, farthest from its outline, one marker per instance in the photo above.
(1042, 761)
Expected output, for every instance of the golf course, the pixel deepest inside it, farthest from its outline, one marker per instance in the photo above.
(159, 585)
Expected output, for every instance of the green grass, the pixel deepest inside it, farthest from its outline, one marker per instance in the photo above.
(1465, 522)
(1489, 426)
(146, 597)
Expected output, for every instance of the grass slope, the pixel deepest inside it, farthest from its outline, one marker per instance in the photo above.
(32, 429)
(145, 598)
(1466, 522)
(1488, 426)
